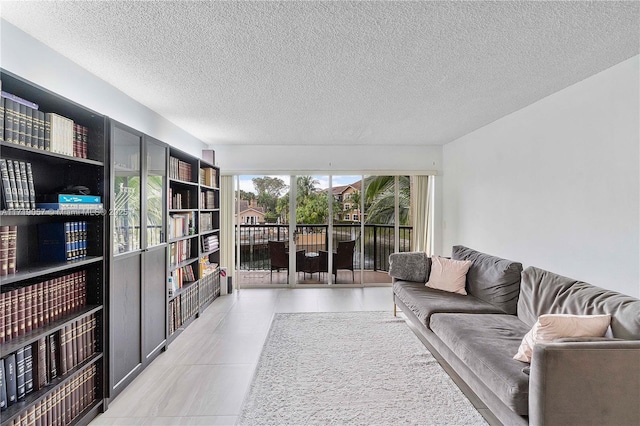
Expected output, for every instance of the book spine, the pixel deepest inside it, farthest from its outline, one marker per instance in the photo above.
(2, 318)
(22, 124)
(18, 178)
(53, 356)
(28, 369)
(4, 251)
(41, 364)
(22, 321)
(32, 191)
(47, 132)
(12, 185)
(63, 351)
(3, 387)
(69, 346)
(14, 313)
(8, 328)
(19, 100)
(6, 185)
(1, 119)
(12, 252)
(29, 293)
(24, 180)
(85, 142)
(28, 132)
(20, 389)
(11, 379)
(41, 126)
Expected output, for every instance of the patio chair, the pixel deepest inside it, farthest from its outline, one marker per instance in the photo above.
(342, 258)
(279, 257)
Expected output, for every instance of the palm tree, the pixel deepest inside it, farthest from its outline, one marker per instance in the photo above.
(380, 199)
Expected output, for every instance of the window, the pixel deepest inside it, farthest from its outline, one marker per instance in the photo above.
(355, 217)
(347, 207)
(346, 217)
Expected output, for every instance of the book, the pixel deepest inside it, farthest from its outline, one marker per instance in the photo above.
(20, 389)
(19, 100)
(12, 185)
(57, 241)
(18, 182)
(74, 199)
(4, 250)
(2, 316)
(41, 129)
(1, 119)
(8, 120)
(61, 133)
(28, 369)
(30, 183)
(12, 252)
(70, 206)
(7, 194)
(24, 180)
(11, 379)
(28, 132)
(22, 124)
(3, 388)
(52, 357)
(41, 364)
(13, 322)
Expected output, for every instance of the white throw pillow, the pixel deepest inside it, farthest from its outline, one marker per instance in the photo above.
(557, 326)
(448, 274)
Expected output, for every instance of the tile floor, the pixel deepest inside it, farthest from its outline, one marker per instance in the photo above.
(203, 376)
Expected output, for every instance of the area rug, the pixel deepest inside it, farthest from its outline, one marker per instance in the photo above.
(354, 368)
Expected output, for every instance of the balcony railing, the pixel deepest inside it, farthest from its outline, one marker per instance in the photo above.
(378, 242)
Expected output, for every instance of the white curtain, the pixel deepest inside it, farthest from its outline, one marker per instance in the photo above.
(422, 213)
(227, 227)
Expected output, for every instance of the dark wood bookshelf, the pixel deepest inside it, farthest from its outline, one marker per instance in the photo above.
(39, 270)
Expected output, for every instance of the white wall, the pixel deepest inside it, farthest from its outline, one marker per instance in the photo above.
(28, 58)
(250, 159)
(556, 184)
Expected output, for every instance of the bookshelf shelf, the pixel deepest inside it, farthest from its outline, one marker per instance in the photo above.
(186, 237)
(210, 188)
(184, 289)
(183, 182)
(62, 146)
(36, 396)
(35, 271)
(209, 231)
(34, 335)
(24, 152)
(182, 210)
(207, 253)
(183, 263)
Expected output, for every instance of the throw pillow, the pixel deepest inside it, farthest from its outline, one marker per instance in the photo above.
(448, 275)
(557, 326)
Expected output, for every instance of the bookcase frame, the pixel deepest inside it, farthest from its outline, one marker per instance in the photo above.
(50, 171)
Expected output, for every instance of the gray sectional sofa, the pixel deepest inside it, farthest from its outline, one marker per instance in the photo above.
(569, 382)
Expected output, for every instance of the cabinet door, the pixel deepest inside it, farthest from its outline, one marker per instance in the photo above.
(125, 320)
(155, 276)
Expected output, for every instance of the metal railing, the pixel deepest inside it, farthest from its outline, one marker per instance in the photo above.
(378, 242)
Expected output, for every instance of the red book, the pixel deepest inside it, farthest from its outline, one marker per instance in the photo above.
(11, 253)
(2, 313)
(4, 250)
(46, 301)
(28, 308)
(14, 313)
(22, 306)
(8, 328)
(40, 303)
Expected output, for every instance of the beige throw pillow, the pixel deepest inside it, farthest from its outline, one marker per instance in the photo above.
(448, 275)
(557, 326)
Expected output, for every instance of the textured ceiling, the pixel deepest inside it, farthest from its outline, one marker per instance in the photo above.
(332, 73)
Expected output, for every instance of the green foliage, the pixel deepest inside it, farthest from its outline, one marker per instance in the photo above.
(247, 196)
(380, 199)
(269, 190)
(313, 209)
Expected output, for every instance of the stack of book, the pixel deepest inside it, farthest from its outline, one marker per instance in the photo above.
(210, 242)
(23, 309)
(8, 252)
(207, 200)
(206, 222)
(69, 202)
(62, 241)
(17, 185)
(179, 199)
(23, 124)
(180, 225)
(179, 251)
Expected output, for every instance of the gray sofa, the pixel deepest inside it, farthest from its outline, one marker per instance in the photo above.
(569, 382)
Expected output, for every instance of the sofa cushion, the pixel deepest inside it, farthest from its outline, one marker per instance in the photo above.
(424, 301)
(492, 279)
(448, 274)
(543, 292)
(486, 344)
(410, 266)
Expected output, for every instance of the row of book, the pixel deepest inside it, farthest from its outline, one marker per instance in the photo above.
(8, 249)
(34, 366)
(23, 124)
(182, 308)
(209, 177)
(180, 170)
(179, 199)
(178, 277)
(23, 309)
(18, 190)
(179, 251)
(62, 241)
(207, 200)
(180, 225)
(209, 286)
(210, 242)
(62, 405)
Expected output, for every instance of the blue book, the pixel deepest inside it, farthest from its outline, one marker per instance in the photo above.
(79, 199)
(52, 242)
(70, 206)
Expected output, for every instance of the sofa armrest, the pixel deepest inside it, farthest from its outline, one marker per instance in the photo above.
(410, 266)
(585, 383)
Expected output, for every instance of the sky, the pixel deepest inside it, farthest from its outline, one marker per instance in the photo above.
(323, 181)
